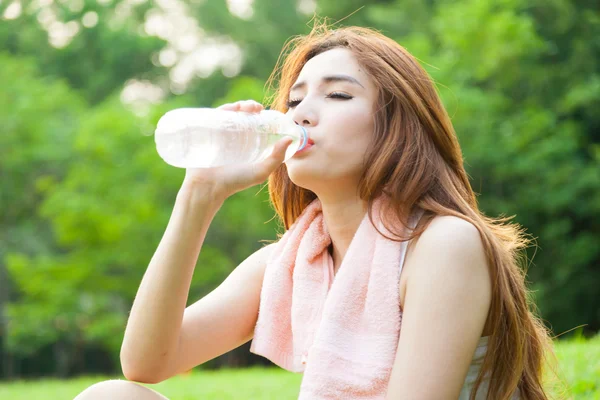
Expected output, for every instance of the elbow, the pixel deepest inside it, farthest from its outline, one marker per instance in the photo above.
(137, 372)
(141, 376)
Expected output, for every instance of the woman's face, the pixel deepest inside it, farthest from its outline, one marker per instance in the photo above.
(333, 98)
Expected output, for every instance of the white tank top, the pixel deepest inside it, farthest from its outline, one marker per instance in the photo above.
(474, 369)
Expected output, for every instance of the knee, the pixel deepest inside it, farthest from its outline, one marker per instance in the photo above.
(111, 389)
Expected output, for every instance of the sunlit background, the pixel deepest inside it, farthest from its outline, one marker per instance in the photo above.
(85, 198)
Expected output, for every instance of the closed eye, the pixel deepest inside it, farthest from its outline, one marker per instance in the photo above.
(291, 103)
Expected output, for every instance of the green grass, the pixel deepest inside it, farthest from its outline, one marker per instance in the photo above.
(579, 366)
(579, 363)
(251, 383)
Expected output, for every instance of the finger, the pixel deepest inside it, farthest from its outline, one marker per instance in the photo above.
(280, 148)
(275, 158)
(230, 106)
(258, 107)
(248, 106)
(252, 106)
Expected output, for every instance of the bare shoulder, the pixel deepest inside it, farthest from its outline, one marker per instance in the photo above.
(445, 310)
(253, 268)
(262, 255)
(449, 248)
(447, 231)
(452, 234)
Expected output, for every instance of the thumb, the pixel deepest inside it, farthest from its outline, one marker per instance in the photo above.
(277, 156)
(280, 148)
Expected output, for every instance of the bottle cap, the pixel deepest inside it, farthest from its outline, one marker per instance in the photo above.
(304, 137)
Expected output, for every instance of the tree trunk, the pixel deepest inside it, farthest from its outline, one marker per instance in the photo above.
(62, 359)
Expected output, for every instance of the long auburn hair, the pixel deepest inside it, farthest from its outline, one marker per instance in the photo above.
(415, 159)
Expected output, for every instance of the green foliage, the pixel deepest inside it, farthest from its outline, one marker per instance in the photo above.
(99, 59)
(261, 37)
(39, 117)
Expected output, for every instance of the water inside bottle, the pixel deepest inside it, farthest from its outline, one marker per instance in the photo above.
(217, 147)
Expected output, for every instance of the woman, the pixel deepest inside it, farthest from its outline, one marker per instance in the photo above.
(381, 141)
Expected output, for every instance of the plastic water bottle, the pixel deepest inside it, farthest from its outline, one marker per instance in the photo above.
(207, 137)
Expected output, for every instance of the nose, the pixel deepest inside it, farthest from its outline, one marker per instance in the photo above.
(304, 115)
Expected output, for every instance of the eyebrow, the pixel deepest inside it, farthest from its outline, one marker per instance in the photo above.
(329, 79)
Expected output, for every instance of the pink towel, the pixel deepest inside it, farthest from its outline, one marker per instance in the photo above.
(342, 333)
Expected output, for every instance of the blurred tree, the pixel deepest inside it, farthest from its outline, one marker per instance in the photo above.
(95, 46)
(39, 117)
(260, 32)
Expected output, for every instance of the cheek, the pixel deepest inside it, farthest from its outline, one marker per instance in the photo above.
(354, 132)
(346, 154)
(357, 118)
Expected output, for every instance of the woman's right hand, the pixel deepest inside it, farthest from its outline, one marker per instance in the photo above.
(227, 180)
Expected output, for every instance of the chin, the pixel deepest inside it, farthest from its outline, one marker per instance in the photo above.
(303, 183)
(304, 178)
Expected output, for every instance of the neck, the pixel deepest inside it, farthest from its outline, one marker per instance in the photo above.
(342, 218)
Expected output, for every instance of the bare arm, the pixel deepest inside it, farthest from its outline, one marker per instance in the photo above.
(448, 295)
(222, 320)
(152, 332)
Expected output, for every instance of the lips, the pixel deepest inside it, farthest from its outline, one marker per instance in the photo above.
(309, 144)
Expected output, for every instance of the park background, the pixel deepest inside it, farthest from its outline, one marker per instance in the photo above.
(85, 198)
